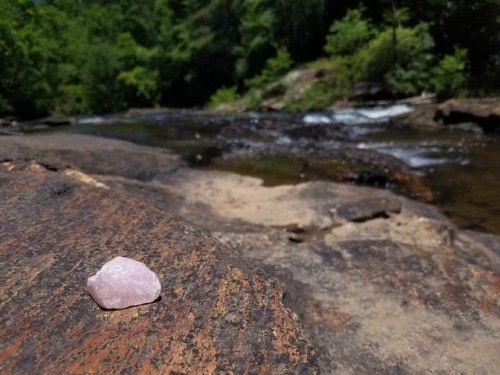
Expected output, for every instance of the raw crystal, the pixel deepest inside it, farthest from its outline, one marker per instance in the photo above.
(123, 282)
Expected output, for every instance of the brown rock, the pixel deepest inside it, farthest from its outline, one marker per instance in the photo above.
(422, 116)
(216, 314)
(485, 113)
(403, 291)
(8, 121)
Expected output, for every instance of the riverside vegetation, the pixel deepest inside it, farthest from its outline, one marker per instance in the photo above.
(63, 57)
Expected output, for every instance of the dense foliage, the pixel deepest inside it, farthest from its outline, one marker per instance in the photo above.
(95, 56)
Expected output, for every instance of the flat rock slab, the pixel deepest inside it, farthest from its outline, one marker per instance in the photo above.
(382, 284)
(215, 315)
(402, 292)
(317, 204)
(89, 154)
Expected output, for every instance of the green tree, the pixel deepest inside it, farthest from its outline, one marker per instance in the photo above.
(411, 73)
(274, 69)
(201, 55)
(469, 24)
(84, 56)
(24, 58)
(451, 75)
(401, 56)
(349, 34)
(257, 42)
(300, 26)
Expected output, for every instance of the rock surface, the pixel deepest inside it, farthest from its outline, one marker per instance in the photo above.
(216, 313)
(484, 113)
(382, 284)
(89, 154)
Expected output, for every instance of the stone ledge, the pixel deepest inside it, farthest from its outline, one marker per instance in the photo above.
(216, 314)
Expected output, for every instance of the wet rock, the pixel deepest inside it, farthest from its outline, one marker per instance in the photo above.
(369, 178)
(216, 313)
(204, 156)
(422, 116)
(8, 121)
(346, 164)
(317, 132)
(484, 113)
(48, 122)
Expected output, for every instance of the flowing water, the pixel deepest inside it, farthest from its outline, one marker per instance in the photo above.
(461, 168)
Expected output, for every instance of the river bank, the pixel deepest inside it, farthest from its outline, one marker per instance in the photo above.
(412, 150)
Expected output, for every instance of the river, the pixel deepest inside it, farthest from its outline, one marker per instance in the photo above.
(366, 145)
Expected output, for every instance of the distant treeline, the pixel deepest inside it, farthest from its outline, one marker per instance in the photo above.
(96, 56)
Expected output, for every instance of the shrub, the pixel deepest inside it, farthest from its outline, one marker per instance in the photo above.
(224, 95)
(399, 56)
(252, 99)
(317, 97)
(403, 63)
(349, 34)
(274, 68)
(450, 76)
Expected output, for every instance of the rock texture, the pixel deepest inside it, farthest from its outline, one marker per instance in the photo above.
(382, 284)
(484, 113)
(216, 314)
(89, 154)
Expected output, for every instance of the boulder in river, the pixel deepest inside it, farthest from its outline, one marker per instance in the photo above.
(485, 113)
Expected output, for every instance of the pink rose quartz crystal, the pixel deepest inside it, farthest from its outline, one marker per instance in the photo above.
(123, 282)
